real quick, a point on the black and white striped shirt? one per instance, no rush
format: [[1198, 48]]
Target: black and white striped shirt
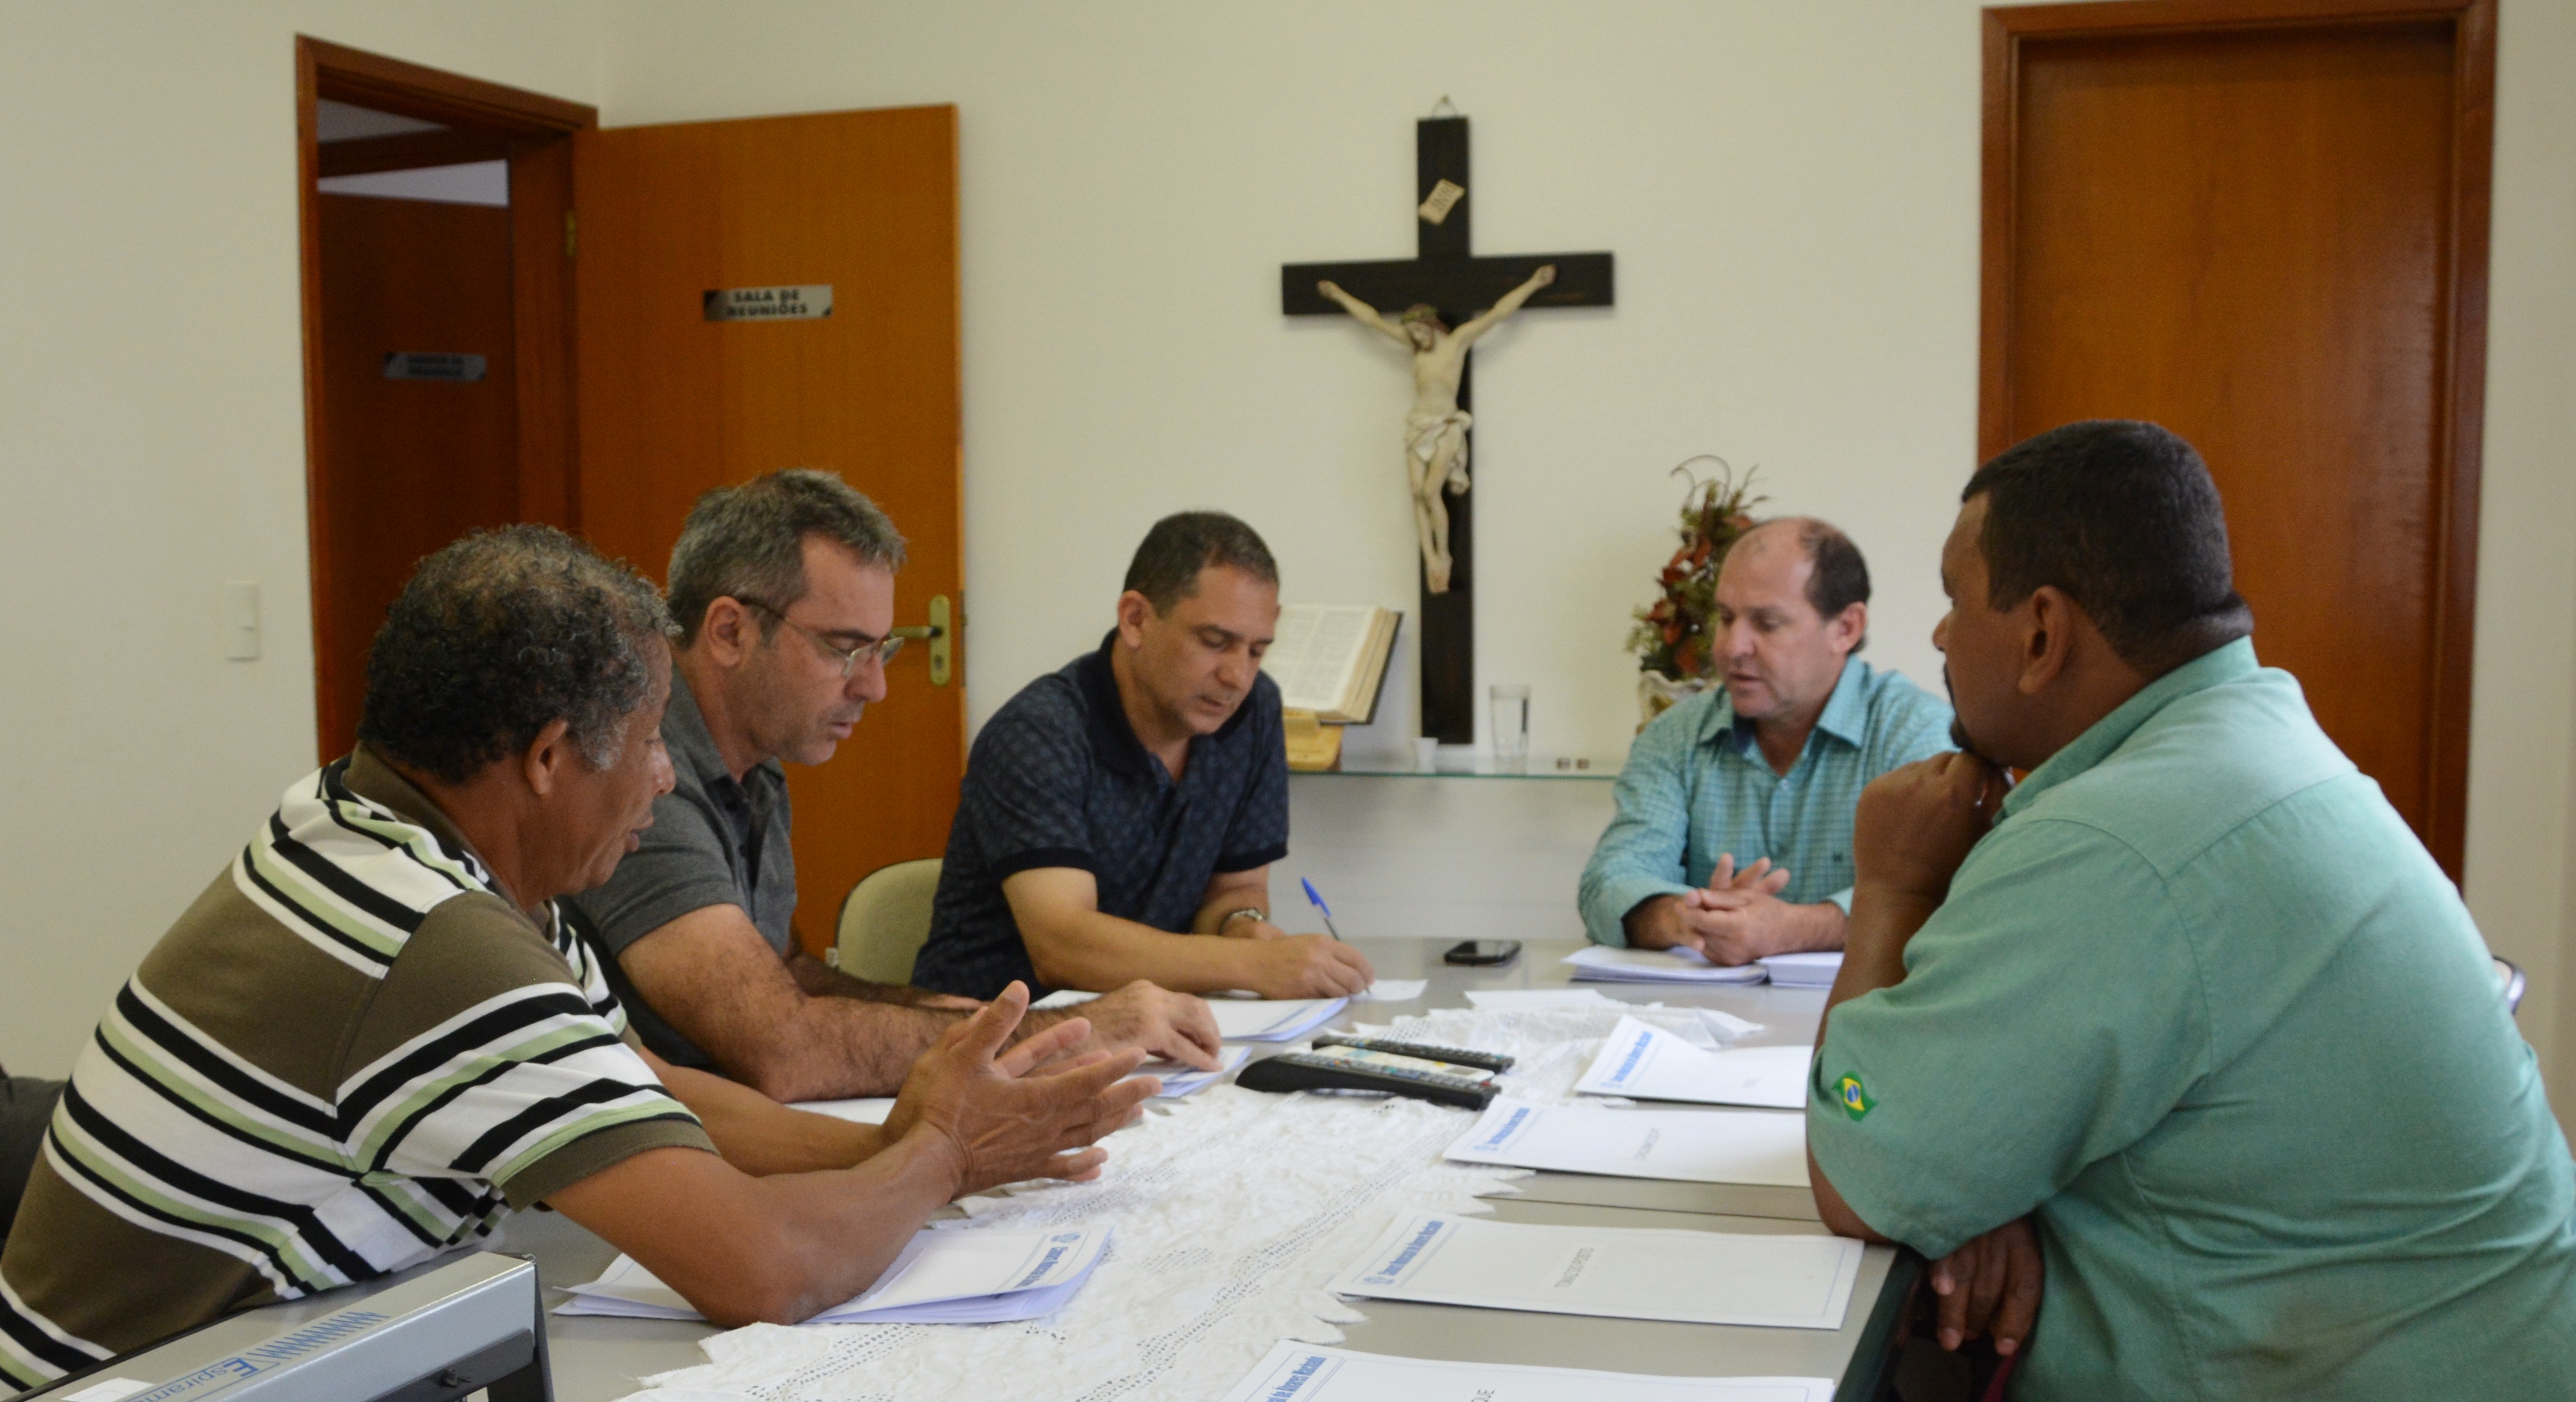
[[351, 1054]]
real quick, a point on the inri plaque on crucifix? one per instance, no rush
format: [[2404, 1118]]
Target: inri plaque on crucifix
[[1423, 298]]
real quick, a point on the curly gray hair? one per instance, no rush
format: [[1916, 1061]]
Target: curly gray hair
[[500, 635], [748, 542]]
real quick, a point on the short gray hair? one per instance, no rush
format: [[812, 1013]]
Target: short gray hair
[[748, 542], [500, 635]]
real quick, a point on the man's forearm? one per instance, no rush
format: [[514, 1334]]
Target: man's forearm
[[1089, 950], [1822, 926], [840, 1047], [1211, 917], [762, 1137], [769, 1250], [820, 980]]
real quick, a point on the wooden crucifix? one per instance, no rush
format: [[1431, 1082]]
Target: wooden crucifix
[[1444, 286]]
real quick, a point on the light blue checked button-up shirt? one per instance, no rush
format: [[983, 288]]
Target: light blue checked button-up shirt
[[1696, 785]]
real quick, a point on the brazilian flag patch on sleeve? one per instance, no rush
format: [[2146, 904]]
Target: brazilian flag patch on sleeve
[[1854, 1097]]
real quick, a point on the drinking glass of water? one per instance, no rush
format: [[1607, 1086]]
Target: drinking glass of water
[[1511, 725]]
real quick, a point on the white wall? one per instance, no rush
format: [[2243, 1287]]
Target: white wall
[[152, 447], [2521, 873], [1786, 196], [1790, 188]]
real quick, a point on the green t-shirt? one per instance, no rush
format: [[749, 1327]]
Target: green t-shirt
[[2204, 1004]]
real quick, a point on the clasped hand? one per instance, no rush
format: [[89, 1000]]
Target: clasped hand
[[1736, 918], [1002, 1120], [1990, 1285], [1915, 824]]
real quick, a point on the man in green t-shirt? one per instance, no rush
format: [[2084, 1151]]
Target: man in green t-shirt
[[2189, 1017], [371, 1038]]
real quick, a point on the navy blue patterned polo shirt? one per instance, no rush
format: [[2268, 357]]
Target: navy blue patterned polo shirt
[[1059, 779]]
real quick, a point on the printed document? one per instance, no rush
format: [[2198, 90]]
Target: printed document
[[1782, 1282], [1276, 1020], [1178, 1080], [1765, 1148], [1602, 964], [1648, 1063], [941, 1277], [1803, 970], [1296, 1372], [1242, 1019]]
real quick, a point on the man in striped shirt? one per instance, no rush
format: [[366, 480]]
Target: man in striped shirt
[[371, 1038]]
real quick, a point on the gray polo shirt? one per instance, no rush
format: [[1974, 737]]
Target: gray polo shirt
[[714, 841]]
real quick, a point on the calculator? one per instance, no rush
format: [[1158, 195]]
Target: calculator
[[1347, 1067]]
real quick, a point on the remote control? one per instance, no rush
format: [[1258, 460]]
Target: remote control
[[1354, 1068], [1458, 1056]]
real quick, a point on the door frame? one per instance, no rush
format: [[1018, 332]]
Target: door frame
[[2462, 341], [534, 131]]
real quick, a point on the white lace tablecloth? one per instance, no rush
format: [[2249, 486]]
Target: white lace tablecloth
[[1232, 1211]]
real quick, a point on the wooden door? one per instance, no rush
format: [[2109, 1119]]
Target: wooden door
[[407, 464], [671, 403], [2261, 223], [394, 470]]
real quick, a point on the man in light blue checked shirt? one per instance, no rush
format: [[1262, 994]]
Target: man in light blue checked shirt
[[1733, 835]]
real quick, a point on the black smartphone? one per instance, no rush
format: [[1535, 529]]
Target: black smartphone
[[1482, 953]]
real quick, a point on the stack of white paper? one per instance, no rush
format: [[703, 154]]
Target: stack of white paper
[[1762, 1147], [1178, 1080], [1306, 1373], [1783, 1282], [1803, 970], [1600, 963], [952, 1277], [869, 1110], [1649, 1063], [1394, 990], [1284, 1020]]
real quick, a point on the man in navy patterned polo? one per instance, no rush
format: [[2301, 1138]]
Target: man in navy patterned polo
[[1119, 817]]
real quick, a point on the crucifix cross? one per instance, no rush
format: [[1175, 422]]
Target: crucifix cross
[[1457, 285]]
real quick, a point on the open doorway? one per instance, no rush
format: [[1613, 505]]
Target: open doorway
[[436, 231]]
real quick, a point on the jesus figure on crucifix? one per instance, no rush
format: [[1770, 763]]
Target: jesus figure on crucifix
[[1435, 429]]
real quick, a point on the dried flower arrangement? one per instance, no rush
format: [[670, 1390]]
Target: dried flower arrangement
[[1671, 639]]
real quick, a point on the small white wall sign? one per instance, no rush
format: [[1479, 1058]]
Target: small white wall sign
[[810, 302], [450, 366]]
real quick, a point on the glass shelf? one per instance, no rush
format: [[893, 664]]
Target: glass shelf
[[1463, 767]]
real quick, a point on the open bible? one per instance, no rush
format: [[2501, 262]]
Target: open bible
[[1330, 659]]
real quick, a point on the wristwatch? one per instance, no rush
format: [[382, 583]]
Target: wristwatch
[[1231, 916]]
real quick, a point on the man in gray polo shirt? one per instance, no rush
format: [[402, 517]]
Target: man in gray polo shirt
[[783, 588]]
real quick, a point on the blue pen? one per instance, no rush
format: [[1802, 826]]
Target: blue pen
[[1317, 898]]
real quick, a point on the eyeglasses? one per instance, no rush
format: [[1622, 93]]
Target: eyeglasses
[[883, 649]]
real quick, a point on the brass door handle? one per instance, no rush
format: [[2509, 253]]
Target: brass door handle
[[936, 632]]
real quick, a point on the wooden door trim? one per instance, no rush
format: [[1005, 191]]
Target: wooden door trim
[[2462, 352], [537, 130]]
